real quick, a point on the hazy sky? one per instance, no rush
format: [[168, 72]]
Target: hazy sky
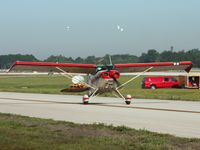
[[90, 27]]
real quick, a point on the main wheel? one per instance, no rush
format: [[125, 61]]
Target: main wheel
[[85, 99], [128, 99], [85, 102]]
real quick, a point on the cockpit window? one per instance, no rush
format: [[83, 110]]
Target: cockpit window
[[99, 68]]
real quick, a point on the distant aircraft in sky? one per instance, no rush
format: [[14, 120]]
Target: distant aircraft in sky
[[67, 28], [120, 28]]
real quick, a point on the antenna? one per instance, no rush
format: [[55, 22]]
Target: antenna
[[100, 60], [110, 59]]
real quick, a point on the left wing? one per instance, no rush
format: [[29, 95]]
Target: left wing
[[157, 66], [20, 66]]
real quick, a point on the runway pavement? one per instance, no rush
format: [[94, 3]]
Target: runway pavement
[[179, 118]]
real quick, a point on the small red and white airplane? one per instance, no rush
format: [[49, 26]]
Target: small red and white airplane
[[101, 78]]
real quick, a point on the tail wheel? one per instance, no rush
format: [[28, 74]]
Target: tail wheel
[[85, 99], [128, 99]]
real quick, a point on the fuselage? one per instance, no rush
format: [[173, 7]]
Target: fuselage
[[105, 81]]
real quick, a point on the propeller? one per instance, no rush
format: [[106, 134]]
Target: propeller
[[118, 83]]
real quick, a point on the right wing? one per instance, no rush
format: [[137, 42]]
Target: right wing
[[21, 66]]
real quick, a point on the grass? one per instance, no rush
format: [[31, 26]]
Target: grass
[[53, 85], [19, 132]]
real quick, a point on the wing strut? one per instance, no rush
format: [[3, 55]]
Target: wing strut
[[134, 78], [69, 76], [93, 94]]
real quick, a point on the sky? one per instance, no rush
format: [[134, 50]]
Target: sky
[[83, 28]]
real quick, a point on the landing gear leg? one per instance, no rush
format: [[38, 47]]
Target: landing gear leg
[[86, 97], [127, 99]]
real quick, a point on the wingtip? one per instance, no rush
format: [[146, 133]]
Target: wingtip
[[12, 66], [188, 69]]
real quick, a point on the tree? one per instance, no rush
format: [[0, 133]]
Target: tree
[[90, 59], [79, 60], [59, 58], [7, 60], [151, 56]]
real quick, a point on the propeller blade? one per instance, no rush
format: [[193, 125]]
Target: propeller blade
[[118, 83]]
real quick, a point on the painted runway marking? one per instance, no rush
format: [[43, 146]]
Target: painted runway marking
[[96, 104]]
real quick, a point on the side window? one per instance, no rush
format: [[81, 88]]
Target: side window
[[173, 79], [166, 79]]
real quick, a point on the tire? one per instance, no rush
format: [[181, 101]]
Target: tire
[[182, 86], [128, 102], [176, 86], [153, 87], [85, 99], [85, 102]]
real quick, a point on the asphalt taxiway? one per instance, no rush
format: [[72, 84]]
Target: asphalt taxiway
[[180, 118]]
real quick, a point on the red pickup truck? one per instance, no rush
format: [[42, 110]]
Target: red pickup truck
[[160, 82]]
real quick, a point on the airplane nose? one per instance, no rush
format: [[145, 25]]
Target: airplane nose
[[105, 75], [110, 74], [114, 74]]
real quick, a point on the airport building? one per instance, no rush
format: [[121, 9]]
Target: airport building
[[190, 80]]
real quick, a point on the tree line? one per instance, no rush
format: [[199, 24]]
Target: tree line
[[151, 55]]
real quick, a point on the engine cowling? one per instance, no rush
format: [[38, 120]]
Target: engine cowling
[[114, 74], [110, 74], [105, 75]]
